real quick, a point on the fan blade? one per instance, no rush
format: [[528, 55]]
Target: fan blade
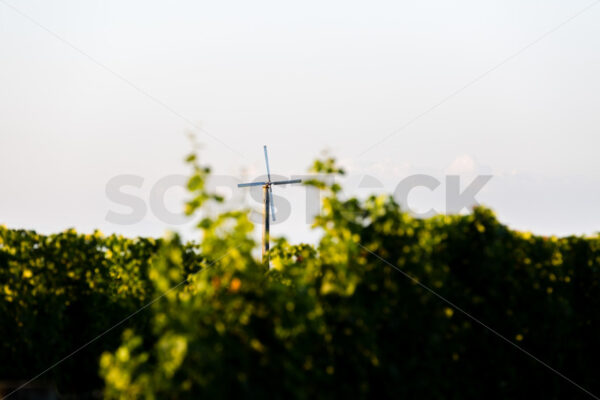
[[287, 182], [267, 162], [271, 202], [251, 184]]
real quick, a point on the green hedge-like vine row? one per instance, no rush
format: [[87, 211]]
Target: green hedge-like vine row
[[59, 291]]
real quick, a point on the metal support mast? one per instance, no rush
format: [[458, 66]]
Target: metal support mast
[[266, 222]]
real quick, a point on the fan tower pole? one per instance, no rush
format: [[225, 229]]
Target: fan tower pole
[[266, 222]]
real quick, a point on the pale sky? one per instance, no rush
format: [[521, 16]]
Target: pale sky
[[97, 89]]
